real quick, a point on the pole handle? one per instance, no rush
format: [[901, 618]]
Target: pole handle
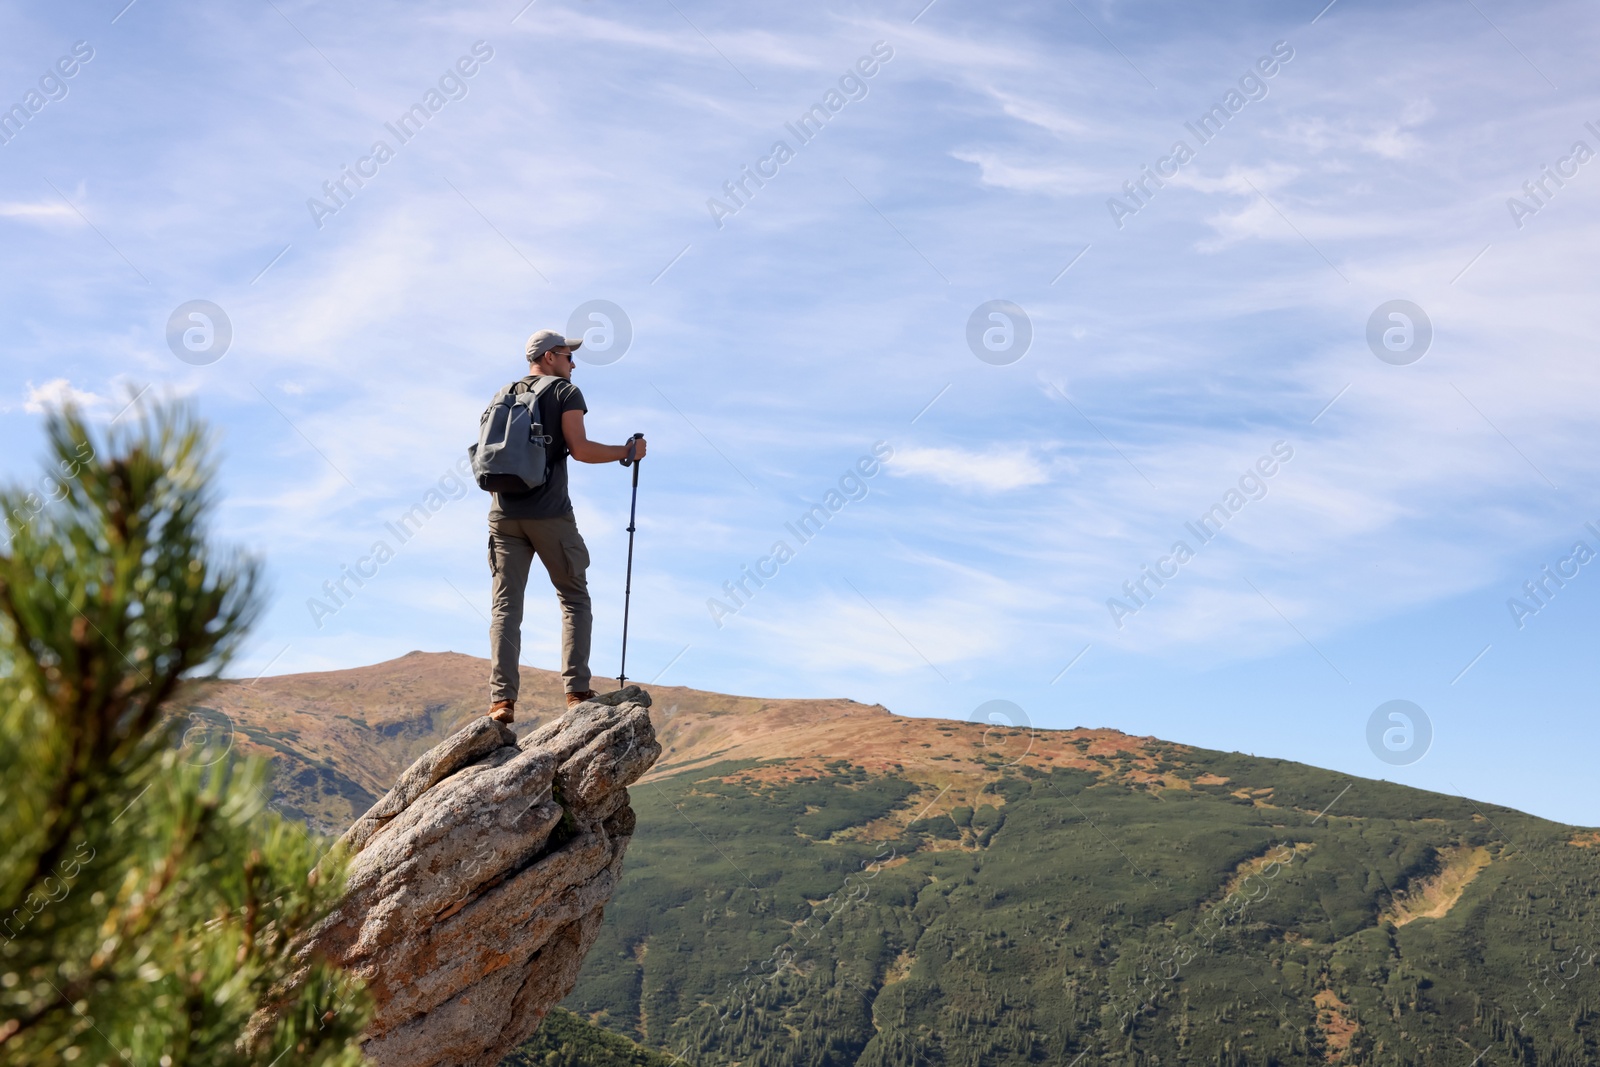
[[628, 460]]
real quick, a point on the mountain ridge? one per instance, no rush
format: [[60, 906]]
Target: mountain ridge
[[340, 737], [406, 705]]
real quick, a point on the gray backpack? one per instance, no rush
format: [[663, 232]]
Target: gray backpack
[[510, 456]]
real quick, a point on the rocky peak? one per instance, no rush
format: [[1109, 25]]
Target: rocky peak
[[479, 881]]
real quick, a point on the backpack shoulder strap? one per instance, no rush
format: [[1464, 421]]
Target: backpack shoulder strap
[[540, 386], [535, 387]]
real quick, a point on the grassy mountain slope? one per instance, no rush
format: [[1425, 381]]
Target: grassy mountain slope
[[821, 882], [1223, 920]]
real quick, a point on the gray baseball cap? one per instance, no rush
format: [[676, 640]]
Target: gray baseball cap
[[545, 340]]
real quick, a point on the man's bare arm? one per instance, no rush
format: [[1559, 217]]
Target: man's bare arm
[[586, 451]]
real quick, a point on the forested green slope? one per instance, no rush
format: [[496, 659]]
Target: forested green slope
[[568, 1040], [1214, 917]]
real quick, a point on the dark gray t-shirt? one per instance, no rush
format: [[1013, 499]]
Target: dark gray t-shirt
[[550, 499]]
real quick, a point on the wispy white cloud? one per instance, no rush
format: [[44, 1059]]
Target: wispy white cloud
[[50, 211], [58, 393], [992, 470], [1057, 179]]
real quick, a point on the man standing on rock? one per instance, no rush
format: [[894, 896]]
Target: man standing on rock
[[540, 523]]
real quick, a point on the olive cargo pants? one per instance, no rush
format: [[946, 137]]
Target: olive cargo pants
[[512, 545]]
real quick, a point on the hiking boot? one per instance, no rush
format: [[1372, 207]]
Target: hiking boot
[[579, 698], [503, 711]]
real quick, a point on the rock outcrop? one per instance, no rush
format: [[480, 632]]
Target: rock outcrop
[[479, 882]]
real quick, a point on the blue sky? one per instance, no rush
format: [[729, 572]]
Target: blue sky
[[1176, 340]]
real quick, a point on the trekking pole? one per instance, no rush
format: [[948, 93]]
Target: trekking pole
[[627, 588]]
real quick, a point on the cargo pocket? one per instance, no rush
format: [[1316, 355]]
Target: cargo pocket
[[492, 571], [577, 555]]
